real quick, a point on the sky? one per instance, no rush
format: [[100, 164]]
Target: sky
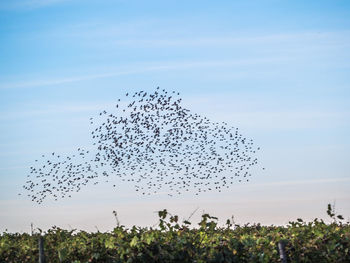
[[277, 70]]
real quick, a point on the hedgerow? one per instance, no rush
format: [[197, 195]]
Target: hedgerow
[[173, 241]]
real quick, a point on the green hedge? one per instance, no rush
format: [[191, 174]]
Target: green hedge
[[172, 241]]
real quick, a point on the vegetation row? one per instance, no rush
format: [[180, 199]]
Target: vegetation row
[[174, 241]]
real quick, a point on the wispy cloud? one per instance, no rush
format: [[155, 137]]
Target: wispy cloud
[[49, 110], [175, 65], [28, 4], [274, 120], [324, 38], [285, 119], [302, 182], [165, 33], [268, 114]]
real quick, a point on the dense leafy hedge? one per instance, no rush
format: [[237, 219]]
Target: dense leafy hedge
[[174, 242]]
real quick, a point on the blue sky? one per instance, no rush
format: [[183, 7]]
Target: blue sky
[[278, 70]]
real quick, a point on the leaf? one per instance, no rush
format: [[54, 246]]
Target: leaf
[[149, 239], [109, 243], [134, 241]]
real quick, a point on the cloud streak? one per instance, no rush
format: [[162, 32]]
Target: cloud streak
[[328, 38], [29, 4], [303, 182], [182, 65], [132, 34]]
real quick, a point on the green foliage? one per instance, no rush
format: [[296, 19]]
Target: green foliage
[[173, 241]]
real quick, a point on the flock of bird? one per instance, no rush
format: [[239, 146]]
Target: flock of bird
[[154, 143]]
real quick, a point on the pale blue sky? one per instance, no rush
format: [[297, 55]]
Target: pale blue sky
[[278, 70]]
